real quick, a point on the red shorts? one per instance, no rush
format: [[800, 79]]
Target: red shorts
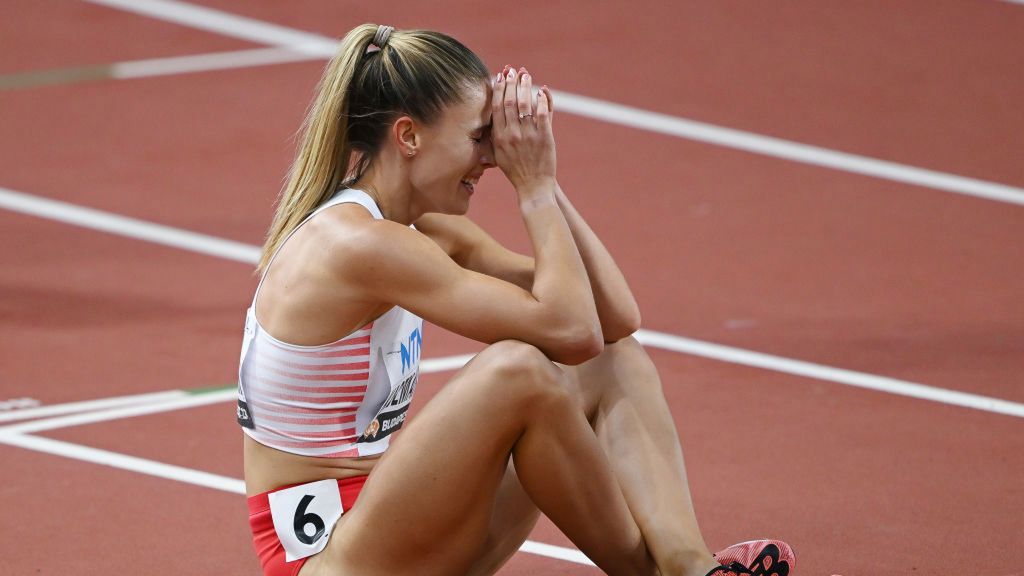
[[268, 546]]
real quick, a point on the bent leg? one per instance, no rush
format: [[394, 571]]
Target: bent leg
[[622, 397], [512, 520], [428, 503], [620, 393]]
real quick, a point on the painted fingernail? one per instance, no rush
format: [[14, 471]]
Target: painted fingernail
[[497, 79], [511, 74]]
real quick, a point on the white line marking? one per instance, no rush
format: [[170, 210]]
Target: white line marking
[[125, 226], [828, 373], [86, 405], [124, 462], [444, 364], [784, 149], [106, 409], [254, 30], [17, 405], [225, 24], [204, 479], [249, 254], [551, 551], [182, 401], [206, 62]]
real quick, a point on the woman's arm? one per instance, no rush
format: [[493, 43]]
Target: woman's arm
[[618, 310], [382, 261], [386, 262], [472, 247]]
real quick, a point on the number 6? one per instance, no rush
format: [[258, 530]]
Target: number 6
[[302, 519]]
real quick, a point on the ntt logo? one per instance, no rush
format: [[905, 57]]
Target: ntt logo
[[411, 349]]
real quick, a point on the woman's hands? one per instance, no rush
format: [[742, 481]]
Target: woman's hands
[[524, 145]]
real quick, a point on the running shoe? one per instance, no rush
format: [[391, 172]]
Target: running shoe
[[760, 557], [734, 569]]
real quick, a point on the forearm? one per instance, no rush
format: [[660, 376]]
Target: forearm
[[560, 281], [616, 307]]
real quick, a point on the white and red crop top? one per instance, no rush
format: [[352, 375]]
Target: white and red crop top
[[342, 399]]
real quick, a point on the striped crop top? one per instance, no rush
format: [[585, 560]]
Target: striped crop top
[[342, 399]]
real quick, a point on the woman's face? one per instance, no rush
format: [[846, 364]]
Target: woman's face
[[453, 154]]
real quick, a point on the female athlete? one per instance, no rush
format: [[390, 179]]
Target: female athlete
[[562, 413]]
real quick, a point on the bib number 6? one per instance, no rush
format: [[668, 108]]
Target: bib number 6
[[304, 516], [303, 519]]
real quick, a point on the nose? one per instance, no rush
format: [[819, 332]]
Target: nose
[[487, 154]]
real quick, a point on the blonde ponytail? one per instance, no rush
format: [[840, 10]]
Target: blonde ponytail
[[323, 157], [415, 72]]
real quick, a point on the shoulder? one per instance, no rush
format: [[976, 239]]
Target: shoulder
[[456, 235], [354, 241]]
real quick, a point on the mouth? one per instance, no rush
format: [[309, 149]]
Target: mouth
[[469, 185]]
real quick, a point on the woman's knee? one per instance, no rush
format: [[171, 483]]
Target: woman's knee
[[623, 367], [521, 370], [628, 347]]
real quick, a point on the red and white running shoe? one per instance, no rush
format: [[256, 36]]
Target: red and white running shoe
[[760, 557]]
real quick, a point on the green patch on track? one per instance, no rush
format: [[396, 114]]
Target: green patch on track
[[208, 389]]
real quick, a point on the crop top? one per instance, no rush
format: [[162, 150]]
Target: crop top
[[342, 399]]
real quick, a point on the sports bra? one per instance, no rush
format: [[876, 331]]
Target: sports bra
[[342, 399]]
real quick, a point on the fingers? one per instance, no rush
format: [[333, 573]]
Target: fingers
[[512, 100], [543, 112], [510, 105], [497, 101], [524, 94]]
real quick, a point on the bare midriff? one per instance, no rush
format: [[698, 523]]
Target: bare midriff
[[267, 468]]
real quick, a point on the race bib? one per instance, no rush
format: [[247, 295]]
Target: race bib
[[304, 517]]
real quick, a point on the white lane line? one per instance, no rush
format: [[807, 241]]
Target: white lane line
[[204, 479], [225, 24], [784, 149], [125, 226], [124, 462], [250, 254], [182, 401], [206, 62], [18, 404], [114, 408], [444, 364], [87, 405], [551, 551], [154, 67], [828, 373], [257, 31]]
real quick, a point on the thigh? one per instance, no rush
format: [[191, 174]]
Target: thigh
[[428, 504], [512, 520], [623, 367]]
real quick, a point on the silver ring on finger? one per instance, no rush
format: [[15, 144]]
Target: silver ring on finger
[[521, 115]]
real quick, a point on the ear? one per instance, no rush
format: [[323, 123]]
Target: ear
[[407, 136]]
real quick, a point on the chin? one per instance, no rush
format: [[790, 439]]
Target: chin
[[461, 208]]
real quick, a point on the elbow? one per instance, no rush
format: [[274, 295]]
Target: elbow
[[626, 324], [577, 346]]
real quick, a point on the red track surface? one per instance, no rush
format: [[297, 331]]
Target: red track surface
[[720, 245]]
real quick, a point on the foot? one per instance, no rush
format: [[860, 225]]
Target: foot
[[759, 557], [734, 569]]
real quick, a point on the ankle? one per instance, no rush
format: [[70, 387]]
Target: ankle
[[688, 564]]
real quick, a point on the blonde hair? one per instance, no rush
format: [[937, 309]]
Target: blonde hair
[[416, 72]]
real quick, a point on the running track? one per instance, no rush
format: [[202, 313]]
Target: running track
[[892, 249]]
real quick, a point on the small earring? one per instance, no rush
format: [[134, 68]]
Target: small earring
[[411, 152]]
